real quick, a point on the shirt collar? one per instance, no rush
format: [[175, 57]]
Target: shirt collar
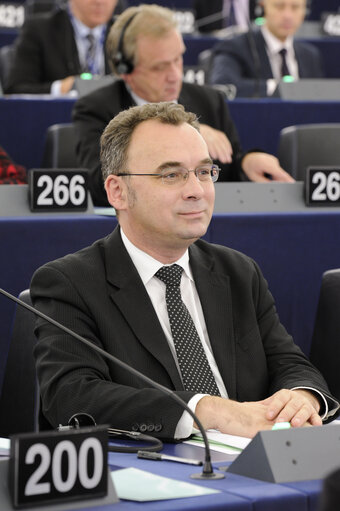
[[83, 30], [273, 44], [146, 265], [138, 100]]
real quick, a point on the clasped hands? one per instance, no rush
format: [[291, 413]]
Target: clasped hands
[[299, 407]]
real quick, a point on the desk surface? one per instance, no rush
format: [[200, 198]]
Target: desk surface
[[237, 492]]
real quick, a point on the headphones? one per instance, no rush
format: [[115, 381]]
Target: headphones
[[123, 65]]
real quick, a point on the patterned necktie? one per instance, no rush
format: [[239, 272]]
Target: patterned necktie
[[90, 53], [284, 67], [194, 366]]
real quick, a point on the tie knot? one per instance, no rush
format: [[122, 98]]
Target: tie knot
[[170, 275], [283, 52], [90, 37]]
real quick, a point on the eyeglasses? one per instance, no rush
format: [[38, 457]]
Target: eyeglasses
[[179, 175]]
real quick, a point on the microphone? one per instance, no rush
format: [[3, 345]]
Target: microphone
[[207, 471], [217, 16]]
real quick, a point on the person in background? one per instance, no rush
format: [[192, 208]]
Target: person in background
[[146, 52], [11, 173], [256, 61], [219, 14], [53, 48], [196, 317]]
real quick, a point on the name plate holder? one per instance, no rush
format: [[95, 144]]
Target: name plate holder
[[322, 186], [59, 470], [289, 455]]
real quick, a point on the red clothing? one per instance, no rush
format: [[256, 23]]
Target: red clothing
[[11, 173]]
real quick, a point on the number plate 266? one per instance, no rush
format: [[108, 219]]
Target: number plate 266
[[323, 186], [58, 189]]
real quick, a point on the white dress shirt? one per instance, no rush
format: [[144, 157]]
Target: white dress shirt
[[147, 266], [273, 47]]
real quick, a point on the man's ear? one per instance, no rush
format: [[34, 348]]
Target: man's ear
[[116, 192]]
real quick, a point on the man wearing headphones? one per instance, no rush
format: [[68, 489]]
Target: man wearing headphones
[[146, 51], [53, 48]]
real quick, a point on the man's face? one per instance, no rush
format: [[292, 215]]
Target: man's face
[[93, 12], [159, 67], [164, 218], [284, 17]]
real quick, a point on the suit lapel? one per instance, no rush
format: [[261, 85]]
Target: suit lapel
[[64, 38], [130, 296], [215, 295], [263, 57], [301, 62]]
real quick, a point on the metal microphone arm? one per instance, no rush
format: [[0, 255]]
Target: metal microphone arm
[[207, 471]]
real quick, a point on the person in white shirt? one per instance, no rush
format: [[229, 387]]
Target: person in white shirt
[[256, 61]]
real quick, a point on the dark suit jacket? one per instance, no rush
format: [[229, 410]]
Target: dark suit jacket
[[204, 8], [243, 61], [93, 112], [46, 51], [98, 293]]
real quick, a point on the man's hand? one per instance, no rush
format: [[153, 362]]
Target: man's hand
[[295, 406], [218, 144], [66, 84], [263, 167], [227, 416], [299, 407]]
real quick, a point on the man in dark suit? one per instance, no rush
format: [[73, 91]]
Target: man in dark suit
[[247, 373], [146, 50], [256, 61], [53, 48], [210, 14]]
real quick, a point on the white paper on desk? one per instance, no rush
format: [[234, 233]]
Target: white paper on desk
[[222, 442], [105, 211], [5, 444], [135, 484]]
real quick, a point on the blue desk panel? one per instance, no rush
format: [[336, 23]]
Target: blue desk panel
[[24, 122], [27, 243], [237, 492], [292, 249]]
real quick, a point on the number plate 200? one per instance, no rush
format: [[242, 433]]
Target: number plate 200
[[58, 466]]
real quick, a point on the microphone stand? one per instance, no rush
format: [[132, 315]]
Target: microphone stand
[[207, 471]]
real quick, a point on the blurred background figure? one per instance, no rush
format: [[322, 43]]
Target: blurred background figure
[[214, 15], [55, 47], [146, 51], [256, 61], [10, 172]]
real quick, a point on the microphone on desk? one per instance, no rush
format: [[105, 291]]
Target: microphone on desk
[[207, 471]]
